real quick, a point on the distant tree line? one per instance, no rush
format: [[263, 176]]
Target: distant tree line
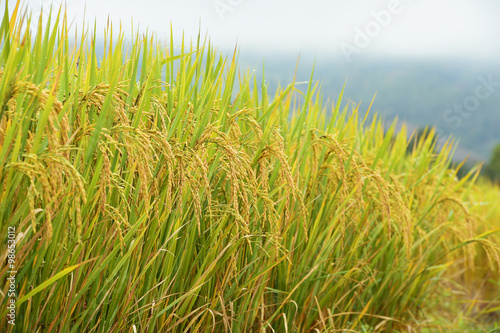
[[491, 170]]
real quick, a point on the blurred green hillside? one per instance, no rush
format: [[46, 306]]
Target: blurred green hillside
[[420, 92]]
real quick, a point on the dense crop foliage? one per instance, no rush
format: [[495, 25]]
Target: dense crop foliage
[[157, 189]]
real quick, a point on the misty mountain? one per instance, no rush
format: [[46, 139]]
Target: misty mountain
[[461, 98]]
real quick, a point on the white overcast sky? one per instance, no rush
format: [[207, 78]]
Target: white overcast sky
[[422, 28]]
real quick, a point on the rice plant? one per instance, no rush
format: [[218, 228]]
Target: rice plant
[[157, 188]]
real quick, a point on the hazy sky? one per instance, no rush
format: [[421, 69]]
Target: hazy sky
[[464, 28]]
